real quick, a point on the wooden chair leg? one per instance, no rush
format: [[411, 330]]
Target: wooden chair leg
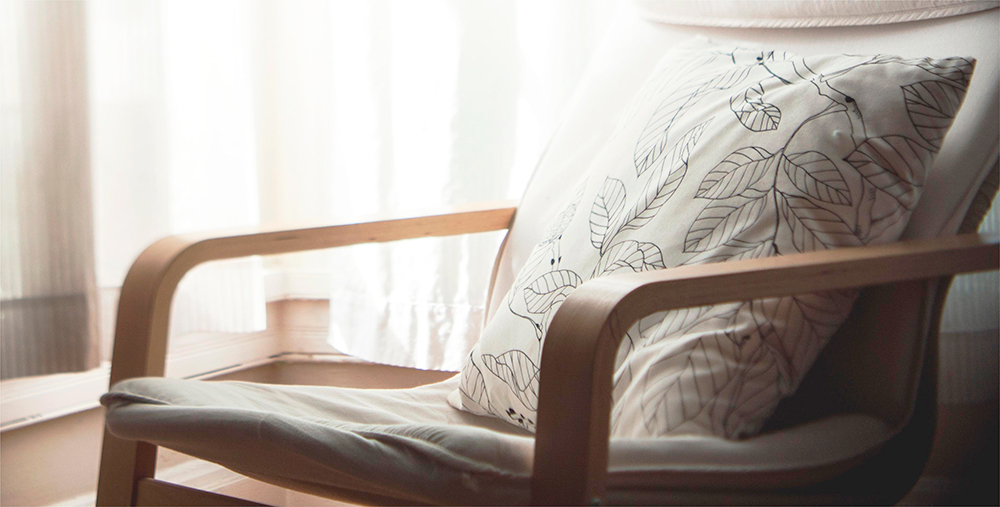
[[123, 464]]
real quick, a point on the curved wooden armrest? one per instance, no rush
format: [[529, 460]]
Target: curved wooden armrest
[[571, 438], [140, 347], [144, 307]]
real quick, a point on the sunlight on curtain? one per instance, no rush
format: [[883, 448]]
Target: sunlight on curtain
[[396, 107], [47, 289], [223, 113], [173, 145], [460, 98]]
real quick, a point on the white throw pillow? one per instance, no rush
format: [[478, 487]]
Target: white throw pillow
[[726, 153]]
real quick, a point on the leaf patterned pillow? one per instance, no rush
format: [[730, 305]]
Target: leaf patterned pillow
[[726, 153]]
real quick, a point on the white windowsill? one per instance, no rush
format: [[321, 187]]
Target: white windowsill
[[303, 330], [32, 400]]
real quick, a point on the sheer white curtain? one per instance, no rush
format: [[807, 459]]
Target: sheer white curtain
[[172, 147], [47, 289], [195, 115], [392, 106]]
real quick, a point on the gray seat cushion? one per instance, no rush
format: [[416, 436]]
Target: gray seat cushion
[[411, 444]]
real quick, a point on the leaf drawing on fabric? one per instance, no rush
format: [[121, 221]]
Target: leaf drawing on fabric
[[756, 392], [649, 330], [755, 114], [811, 227], [676, 323], [662, 79], [748, 172], [543, 296], [932, 106], [559, 224], [737, 252], [957, 70], [608, 206], [519, 372], [550, 289], [818, 177], [797, 327], [662, 184], [653, 139], [633, 255], [678, 387], [545, 256], [623, 370], [893, 164], [472, 387], [721, 221]]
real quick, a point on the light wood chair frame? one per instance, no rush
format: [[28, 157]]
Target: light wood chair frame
[[571, 452]]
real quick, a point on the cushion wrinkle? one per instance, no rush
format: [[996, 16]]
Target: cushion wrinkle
[[427, 459]]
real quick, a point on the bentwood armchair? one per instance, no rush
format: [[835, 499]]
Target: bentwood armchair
[[858, 430]]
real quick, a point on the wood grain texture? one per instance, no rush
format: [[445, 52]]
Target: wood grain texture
[[571, 445], [140, 345]]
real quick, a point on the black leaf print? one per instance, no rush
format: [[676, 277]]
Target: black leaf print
[[632, 255], [678, 322], [472, 386], [663, 79], [633, 339], [721, 221], [957, 70], [546, 254], [756, 392], [824, 310], [653, 139], [737, 252], [932, 106], [883, 222], [621, 381], [679, 386], [894, 165], [728, 79], [542, 297], [813, 228], [665, 180], [608, 206], [558, 225], [550, 289], [623, 370], [797, 327], [748, 172], [818, 177], [544, 257], [519, 372], [755, 114]]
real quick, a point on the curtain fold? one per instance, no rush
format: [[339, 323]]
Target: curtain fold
[[392, 107], [973, 303], [48, 293], [173, 144]]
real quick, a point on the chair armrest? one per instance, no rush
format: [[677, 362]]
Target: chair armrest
[[144, 306], [571, 438]]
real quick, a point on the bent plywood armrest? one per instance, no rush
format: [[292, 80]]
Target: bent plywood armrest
[[140, 346], [571, 445]]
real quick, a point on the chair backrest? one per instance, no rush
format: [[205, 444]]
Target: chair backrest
[[634, 44]]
